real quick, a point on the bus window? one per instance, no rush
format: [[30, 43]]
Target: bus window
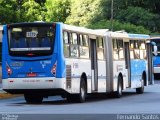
[[85, 40], [142, 50], [115, 49], [74, 45], [24, 40], [136, 50], [66, 44], [65, 37], [100, 48], [74, 39], [120, 49], [84, 50], [132, 49]]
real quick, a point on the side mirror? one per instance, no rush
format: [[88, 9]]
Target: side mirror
[[155, 50]]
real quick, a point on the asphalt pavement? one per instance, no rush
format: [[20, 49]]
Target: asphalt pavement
[[1, 91]]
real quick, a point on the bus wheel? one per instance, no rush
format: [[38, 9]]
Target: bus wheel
[[33, 99], [118, 93], [141, 89], [81, 97], [83, 91]]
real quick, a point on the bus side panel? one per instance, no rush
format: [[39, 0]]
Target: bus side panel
[[61, 68], [137, 69], [4, 52], [79, 66], [101, 76], [119, 68]]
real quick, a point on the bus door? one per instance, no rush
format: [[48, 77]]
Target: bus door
[[127, 62], [94, 68], [150, 63]]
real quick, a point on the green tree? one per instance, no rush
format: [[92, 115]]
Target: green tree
[[128, 27], [139, 16], [84, 11], [32, 11], [8, 11], [57, 10]]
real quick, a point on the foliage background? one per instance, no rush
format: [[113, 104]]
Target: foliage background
[[136, 16]]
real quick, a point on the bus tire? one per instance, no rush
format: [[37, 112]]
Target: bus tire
[[83, 91], [33, 99], [81, 97], [141, 89], [118, 93]]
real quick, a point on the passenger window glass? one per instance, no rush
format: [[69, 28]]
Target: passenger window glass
[[74, 39], [118, 51], [66, 44], [74, 50], [65, 37], [100, 48], [85, 40], [66, 50], [142, 50], [84, 52], [134, 49], [115, 50]]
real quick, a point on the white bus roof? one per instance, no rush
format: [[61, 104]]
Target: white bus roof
[[99, 32], [155, 37], [119, 34], [138, 36]]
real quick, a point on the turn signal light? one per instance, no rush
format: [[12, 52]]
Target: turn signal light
[[53, 70], [9, 71]]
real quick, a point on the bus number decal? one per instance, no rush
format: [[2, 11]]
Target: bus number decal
[[44, 63], [119, 68], [75, 65], [17, 64], [31, 34]]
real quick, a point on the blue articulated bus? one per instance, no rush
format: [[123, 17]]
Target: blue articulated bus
[[45, 59]]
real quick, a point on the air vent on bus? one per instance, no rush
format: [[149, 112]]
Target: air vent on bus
[[68, 76]]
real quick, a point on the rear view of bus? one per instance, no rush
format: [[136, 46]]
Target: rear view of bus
[[30, 60]]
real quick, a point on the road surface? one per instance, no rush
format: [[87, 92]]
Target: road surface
[[130, 102]]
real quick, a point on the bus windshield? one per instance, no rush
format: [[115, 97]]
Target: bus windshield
[[25, 40], [157, 41]]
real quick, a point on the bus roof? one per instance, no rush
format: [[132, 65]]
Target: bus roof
[[118, 34], [155, 37], [138, 36], [99, 32]]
